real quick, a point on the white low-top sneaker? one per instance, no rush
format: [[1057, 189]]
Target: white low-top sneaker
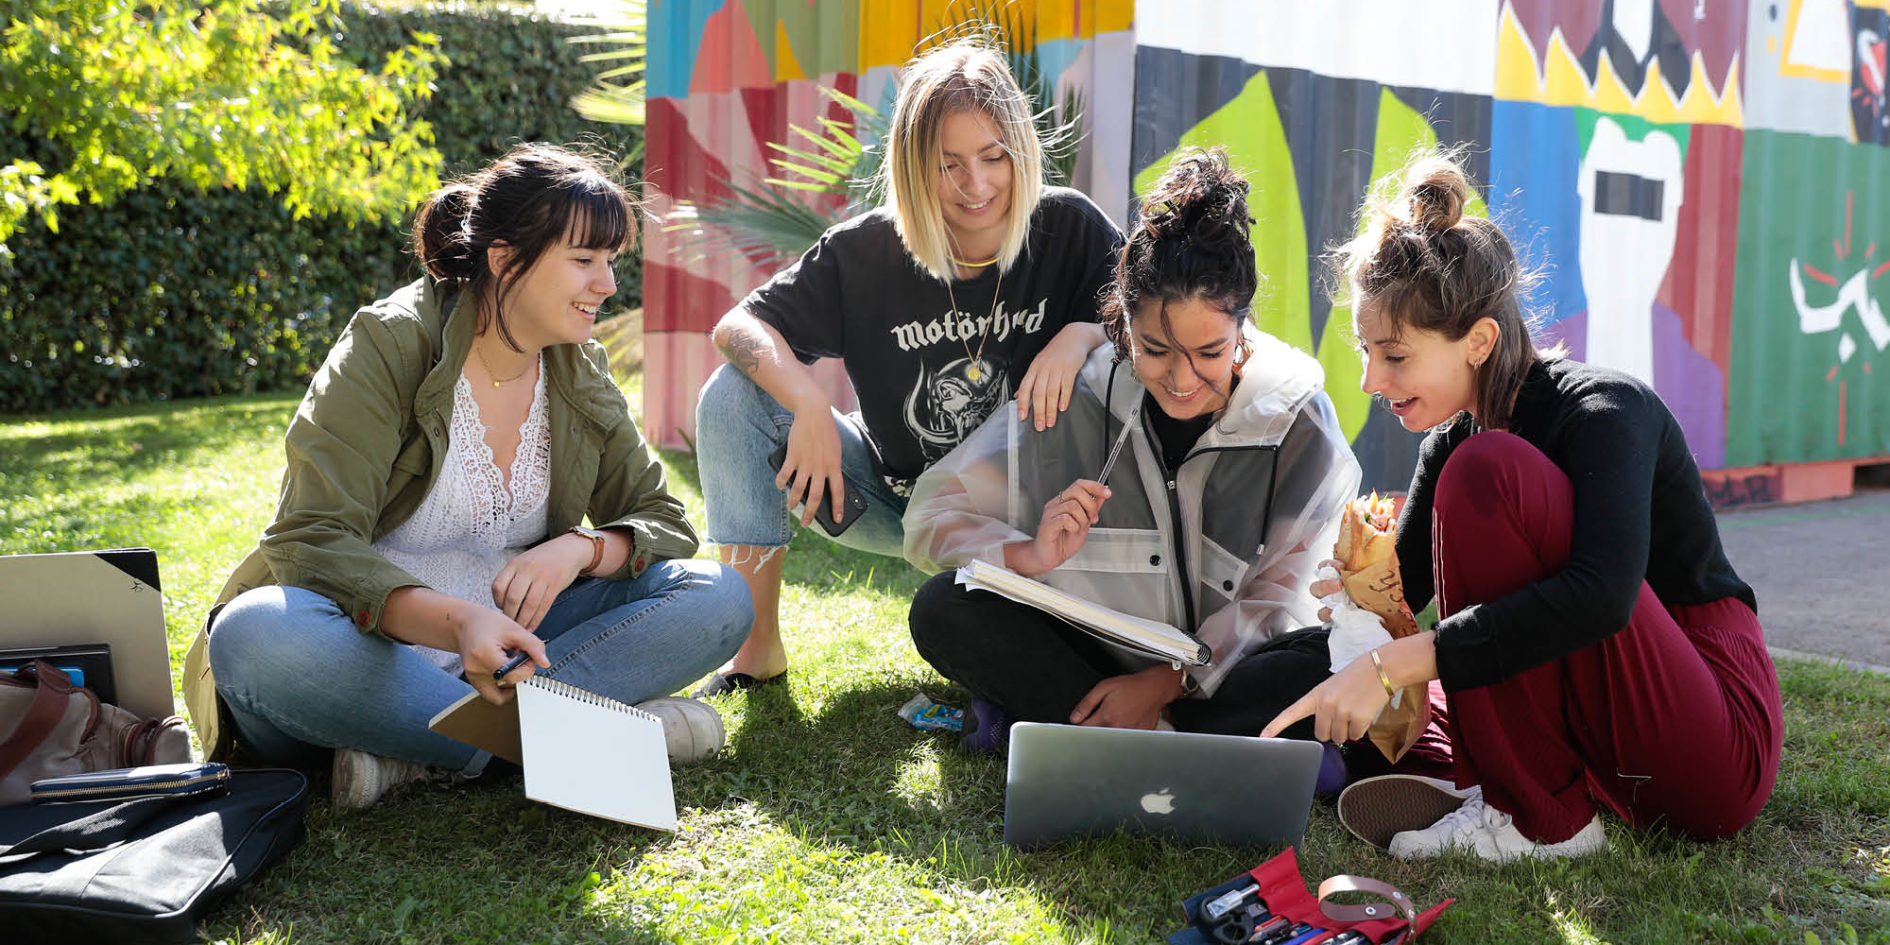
[[1377, 809], [692, 729], [361, 778], [1492, 835]]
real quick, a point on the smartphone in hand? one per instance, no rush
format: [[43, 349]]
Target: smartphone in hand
[[854, 504]]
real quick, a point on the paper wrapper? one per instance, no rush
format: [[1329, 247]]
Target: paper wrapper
[[1368, 570]]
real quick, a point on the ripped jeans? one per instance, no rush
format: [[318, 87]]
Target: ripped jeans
[[738, 425]]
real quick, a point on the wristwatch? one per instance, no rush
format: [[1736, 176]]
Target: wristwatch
[[597, 548]]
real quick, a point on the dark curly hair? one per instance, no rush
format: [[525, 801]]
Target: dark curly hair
[[529, 199], [1190, 241]]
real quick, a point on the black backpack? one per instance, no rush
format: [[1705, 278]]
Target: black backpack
[[144, 870]]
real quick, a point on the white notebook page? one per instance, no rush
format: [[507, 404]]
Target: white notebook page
[[594, 755]]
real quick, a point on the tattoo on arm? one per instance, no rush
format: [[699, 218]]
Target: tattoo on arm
[[744, 349]]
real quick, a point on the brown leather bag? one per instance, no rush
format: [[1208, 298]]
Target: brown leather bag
[[53, 728]]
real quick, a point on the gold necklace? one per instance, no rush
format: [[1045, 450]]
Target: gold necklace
[[974, 373], [496, 380], [980, 264]]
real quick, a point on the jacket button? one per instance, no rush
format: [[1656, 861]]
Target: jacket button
[[639, 565], [361, 618], [1227, 585], [1154, 561]]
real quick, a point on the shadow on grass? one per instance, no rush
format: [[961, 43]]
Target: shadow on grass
[[857, 775], [477, 863]]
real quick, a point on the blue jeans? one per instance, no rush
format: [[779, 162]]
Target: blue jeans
[[298, 676], [738, 426]]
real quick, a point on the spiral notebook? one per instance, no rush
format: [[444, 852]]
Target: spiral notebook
[[580, 751], [1135, 634]]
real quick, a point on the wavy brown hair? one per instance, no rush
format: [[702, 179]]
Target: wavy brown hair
[[534, 196], [1420, 262]]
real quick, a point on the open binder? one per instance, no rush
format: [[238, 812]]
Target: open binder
[[1139, 635]]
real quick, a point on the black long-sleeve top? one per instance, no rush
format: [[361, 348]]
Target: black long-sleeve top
[[1640, 513]]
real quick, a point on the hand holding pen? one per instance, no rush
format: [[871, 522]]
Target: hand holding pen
[[518, 659]]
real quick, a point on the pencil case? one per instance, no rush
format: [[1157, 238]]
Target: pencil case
[[1270, 905], [120, 784]]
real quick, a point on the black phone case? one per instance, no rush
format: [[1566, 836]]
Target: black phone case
[[823, 513]]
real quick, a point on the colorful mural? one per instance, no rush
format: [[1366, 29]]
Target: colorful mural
[[1703, 186], [1679, 172]]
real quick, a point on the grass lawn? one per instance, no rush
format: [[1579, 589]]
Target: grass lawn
[[827, 819]]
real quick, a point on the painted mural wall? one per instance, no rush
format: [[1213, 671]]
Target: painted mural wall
[[1703, 184]]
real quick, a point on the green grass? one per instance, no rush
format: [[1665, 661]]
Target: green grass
[[829, 820]]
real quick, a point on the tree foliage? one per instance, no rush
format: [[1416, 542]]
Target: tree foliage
[[174, 291], [115, 94]]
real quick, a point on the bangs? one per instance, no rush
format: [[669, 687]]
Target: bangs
[[598, 215]]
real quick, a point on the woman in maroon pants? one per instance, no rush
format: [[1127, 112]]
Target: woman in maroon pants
[[1597, 648]]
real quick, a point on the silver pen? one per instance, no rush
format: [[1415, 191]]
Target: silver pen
[[1121, 438]]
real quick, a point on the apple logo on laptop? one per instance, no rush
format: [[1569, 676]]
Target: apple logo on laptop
[[1160, 802]]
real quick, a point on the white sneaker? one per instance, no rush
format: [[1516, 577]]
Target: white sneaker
[[1377, 809], [692, 729], [1492, 835], [360, 778]]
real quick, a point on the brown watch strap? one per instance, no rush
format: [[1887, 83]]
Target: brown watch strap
[[597, 550], [1398, 904]]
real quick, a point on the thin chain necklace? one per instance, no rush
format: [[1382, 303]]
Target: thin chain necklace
[[498, 381], [975, 372]]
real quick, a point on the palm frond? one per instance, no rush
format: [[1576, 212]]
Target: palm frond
[[617, 94]]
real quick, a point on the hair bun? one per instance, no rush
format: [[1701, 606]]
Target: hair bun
[[1435, 192], [440, 231], [1201, 198]]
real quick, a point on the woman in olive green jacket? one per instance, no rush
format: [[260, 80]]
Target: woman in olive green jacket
[[429, 526]]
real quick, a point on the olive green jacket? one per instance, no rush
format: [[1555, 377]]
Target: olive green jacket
[[365, 447]]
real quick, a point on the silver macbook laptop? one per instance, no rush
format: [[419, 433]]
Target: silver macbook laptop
[[94, 599], [1075, 781]]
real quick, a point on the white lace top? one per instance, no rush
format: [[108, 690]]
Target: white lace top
[[469, 526]]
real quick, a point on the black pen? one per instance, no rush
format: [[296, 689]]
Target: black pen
[[511, 664]]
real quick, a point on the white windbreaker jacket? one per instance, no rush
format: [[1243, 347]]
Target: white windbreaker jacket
[[1226, 549]]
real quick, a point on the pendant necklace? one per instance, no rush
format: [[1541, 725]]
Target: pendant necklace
[[496, 379], [975, 373]]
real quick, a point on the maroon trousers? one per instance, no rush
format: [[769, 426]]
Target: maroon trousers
[[1674, 719]]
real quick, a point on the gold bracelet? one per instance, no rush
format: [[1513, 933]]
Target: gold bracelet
[[1383, 677]]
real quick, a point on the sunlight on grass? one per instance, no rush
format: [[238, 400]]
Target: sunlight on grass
[[779, 886], [829, 819]]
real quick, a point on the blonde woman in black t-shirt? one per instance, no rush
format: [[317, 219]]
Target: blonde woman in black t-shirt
[[974, 283], [1598, 650]]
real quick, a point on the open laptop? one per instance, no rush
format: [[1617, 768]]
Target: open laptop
[[88, 600], [1069, 781]]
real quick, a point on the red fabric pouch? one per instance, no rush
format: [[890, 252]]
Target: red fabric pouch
[[1282, 893]]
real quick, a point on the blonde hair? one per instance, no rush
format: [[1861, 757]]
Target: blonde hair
[[965, 75], [1420, 262]]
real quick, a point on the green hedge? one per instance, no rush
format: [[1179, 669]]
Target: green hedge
[[170, 293]]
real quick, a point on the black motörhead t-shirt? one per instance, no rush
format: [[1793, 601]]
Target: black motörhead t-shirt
[[926, 376]]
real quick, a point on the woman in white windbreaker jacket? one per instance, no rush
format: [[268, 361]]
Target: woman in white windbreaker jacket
[[1213, 519]]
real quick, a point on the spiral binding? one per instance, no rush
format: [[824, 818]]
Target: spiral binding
[[560, 688]]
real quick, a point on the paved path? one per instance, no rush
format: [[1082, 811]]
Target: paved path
[[1821, 571]]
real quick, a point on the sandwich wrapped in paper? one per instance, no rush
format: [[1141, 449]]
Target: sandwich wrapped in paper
[[1372, 612]]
